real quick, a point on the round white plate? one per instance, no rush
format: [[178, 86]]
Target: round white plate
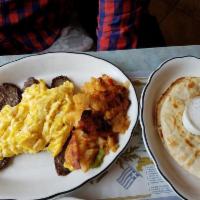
[[34, 176], [185, 184]]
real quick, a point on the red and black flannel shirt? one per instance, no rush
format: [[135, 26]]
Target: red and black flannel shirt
[[118, 24], [33, 25], [28, 25]]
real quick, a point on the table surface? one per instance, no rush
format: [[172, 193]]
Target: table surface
[[134, 60]]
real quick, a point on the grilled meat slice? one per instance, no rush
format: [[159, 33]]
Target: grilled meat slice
[[57, 81], [30, 81]]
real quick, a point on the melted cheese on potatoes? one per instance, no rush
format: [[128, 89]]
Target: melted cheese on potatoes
[[42, 120]]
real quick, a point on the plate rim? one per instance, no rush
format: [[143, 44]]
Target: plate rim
[[132, 131], [144, 134]]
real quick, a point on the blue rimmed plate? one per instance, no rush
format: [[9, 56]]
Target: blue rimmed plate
[[185, 184], [34, 176]]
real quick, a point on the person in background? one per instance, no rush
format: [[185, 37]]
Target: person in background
[[28, 26], [118, 24]]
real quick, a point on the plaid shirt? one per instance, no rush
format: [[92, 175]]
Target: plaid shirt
[[28, 25], [33, 25], [118, 23]]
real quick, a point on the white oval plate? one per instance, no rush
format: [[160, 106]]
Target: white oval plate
[[185, 184], [34, 176]]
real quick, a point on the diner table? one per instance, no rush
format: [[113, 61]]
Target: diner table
[[133, 175]]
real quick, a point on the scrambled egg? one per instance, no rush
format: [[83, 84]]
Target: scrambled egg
[[41, 121]]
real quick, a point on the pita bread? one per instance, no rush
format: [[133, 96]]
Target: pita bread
[[182, 145]]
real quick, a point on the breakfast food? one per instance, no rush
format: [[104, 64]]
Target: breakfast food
[[78, 129], [111, 99], [90, 142], [59, 161], [30, 81], [41, 120], [10, 94], [59, 80], [182, 144], [104, 105], [4, 163]]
